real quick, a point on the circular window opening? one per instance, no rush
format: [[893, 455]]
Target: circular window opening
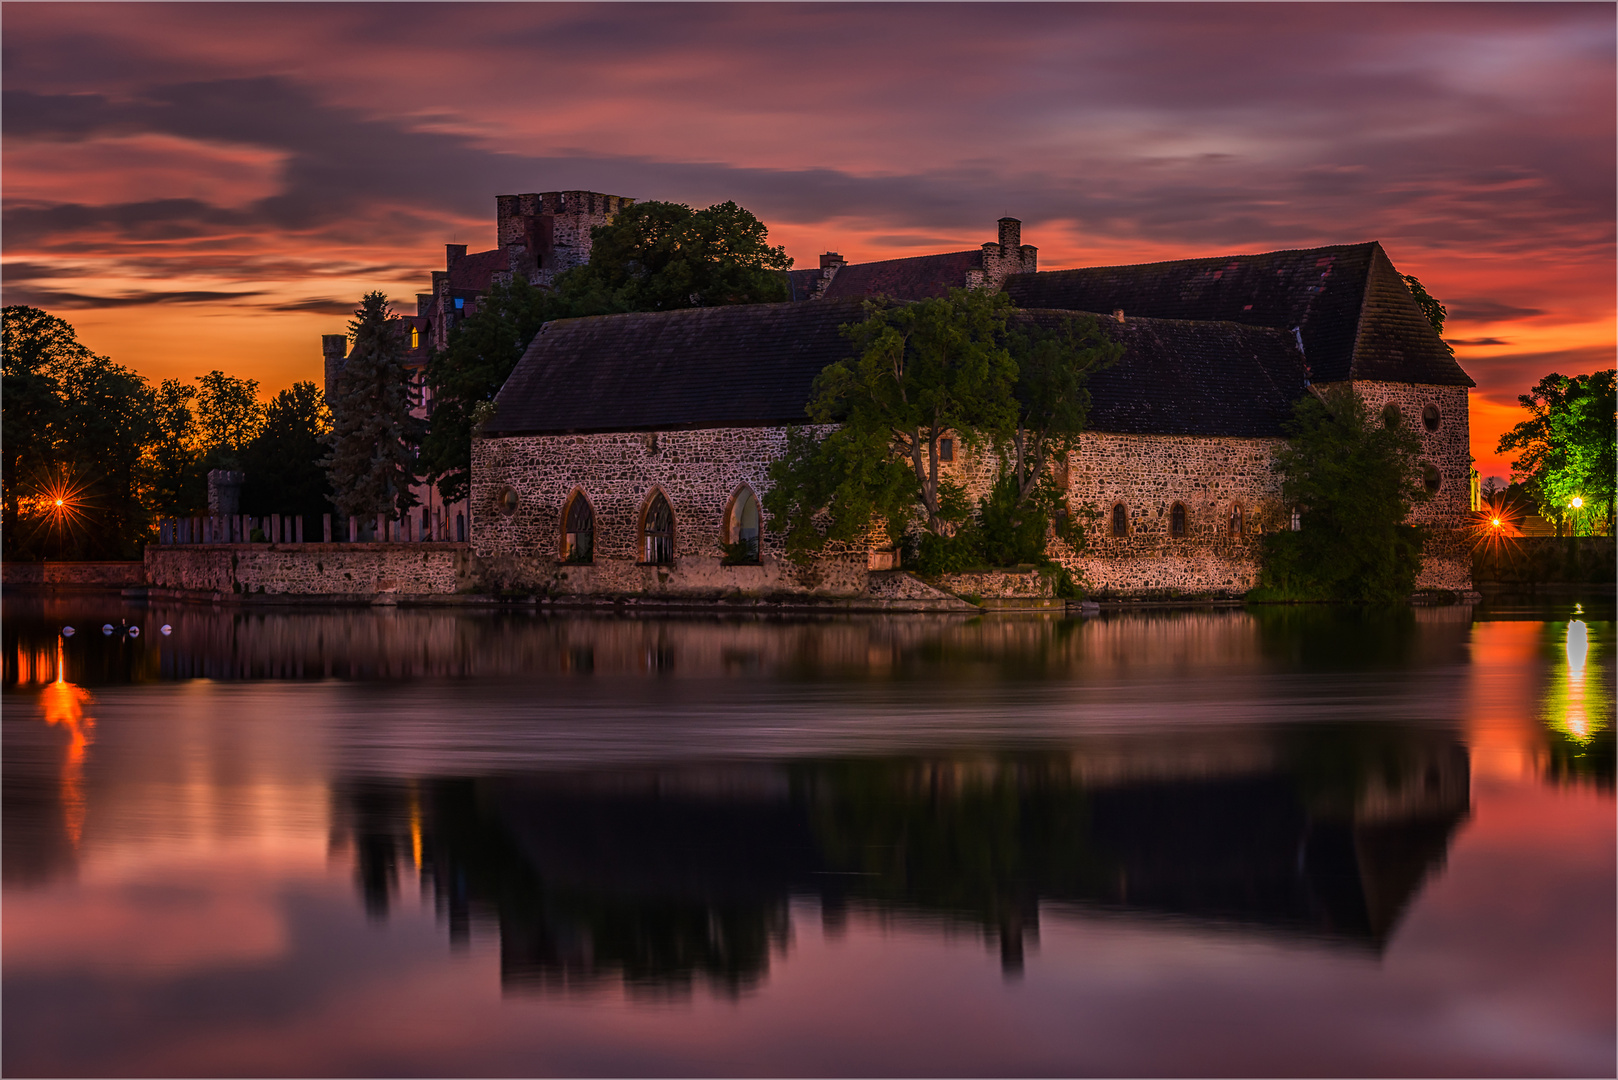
[[505, 501], [1429, 417], [1391, 416], [1431, 479]]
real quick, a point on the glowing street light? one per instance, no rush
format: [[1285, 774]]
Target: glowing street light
[[1578, 503]]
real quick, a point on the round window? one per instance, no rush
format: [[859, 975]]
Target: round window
[[505, 501], [1431, 479], [1429, 417], [1391, 415]]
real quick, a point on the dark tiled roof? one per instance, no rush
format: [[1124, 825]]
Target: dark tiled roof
[[905, 279], [738, 366], [1356, 317], [1192, 378], [474, 272], [801, 283], [756, 364]]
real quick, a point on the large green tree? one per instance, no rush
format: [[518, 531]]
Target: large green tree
[[282, 461], [921, 372], [1566, 447], [654, 256], [371, 458], [1353, 480]]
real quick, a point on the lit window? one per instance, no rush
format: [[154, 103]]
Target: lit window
[[415, 337], [659, 531]]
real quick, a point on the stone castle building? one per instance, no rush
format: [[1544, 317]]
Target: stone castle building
[[629, 453]]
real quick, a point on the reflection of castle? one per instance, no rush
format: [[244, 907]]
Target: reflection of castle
[[662, 877]]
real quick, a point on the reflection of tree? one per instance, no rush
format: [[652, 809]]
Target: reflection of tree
[[662, 879]]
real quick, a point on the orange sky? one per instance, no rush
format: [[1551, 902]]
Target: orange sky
[[201, 186]]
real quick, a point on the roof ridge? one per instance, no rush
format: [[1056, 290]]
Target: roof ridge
[[1208, 258]]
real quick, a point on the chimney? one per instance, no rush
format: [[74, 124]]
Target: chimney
[[1118, 313], [1010, 235], [830, 259], [453, 253]]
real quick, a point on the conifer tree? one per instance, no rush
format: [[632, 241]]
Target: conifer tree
[[371, 461]]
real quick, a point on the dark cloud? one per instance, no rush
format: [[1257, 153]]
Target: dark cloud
[[320, 305], [1479, 310], [54, 298], [1477, 341]]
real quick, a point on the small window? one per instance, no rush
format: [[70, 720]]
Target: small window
[[1238, 521], [1431, 479], [1297, 520], [1177, 520], [1430, 417], [659, 531], [1391, 416], [946, 449], [426, 525], [1120, 520], [460, 303], [742, 529], [460, 528], [415, 337], [506, 501], [578, 530]]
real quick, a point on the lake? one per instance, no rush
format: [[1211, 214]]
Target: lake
[[1261, 842]]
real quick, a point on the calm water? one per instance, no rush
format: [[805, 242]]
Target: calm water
[[1287, 842]]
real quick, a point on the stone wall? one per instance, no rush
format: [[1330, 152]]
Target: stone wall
[[1227, 486], [91, 575], [332, 570]]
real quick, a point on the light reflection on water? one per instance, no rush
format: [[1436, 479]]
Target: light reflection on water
[[612, 814]]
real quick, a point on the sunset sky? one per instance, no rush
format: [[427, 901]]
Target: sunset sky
[[213, 186]]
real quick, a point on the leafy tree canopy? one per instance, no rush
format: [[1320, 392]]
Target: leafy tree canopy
[[228, 414], [1353, 480], [654, 256], [1566, 447], [282, 460]]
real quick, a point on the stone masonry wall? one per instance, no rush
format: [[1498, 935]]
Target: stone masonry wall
[[310, 569], [699, 472]]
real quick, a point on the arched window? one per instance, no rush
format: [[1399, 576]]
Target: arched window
[[1391, 416], [578, 530], [659, 531], [1177, 520], [1431, 478], [1238, 520], [741, 531], [1120, 520], [1430, 417], [415, 337]]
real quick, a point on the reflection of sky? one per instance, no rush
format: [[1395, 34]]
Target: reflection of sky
[[207, 886]]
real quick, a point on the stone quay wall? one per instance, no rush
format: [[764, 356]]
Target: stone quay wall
[[83, 575], [330, 570]]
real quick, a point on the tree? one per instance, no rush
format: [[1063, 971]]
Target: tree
[[178, 480], [654, 256], [228, 416], [37, 349], [371, 458], [1566, 447], [1436, 313], [483, 349], [1353, 480], [283, 460]]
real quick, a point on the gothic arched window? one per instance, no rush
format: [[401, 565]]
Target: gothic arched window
[[742, 529], [1120, 520], [578, 530], [659, 531], [1238, 520], [1177, 520]]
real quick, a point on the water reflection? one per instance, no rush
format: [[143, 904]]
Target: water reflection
[[62, 704], [1577, 709], [665, 877]]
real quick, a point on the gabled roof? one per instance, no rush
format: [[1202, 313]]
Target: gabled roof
[[755, 365], [743, 365], [1354, 312], [915, 278]]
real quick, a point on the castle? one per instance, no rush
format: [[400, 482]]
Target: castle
[[628, 453]]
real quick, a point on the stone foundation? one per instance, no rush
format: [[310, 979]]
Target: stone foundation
[[72, 575], [353, 571]]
